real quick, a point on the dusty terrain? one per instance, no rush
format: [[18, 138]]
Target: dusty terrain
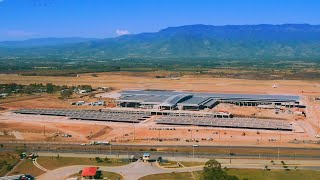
[[44, 128], [126, 80]]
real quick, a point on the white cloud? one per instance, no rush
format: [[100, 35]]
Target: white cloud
[[20, 33], [121, 32]]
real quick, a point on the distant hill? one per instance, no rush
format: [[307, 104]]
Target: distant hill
[[287, 41], [40, 42]]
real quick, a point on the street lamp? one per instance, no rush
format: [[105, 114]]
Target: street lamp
[[134, 132], [230, 149], [193, 146], [110, 151]]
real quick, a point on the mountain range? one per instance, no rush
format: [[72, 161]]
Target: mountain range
[[265, 41]]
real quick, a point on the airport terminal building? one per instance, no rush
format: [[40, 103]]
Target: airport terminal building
[[179, 100]]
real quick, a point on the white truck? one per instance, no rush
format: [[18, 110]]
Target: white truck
[[99, 143]]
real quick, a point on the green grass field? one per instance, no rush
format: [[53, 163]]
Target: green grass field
[[7, 162], [53, 162], [190, 164], [166, 176], [253, 174], [27, 167], [250, 174]]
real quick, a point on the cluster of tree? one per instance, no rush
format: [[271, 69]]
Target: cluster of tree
[[19, 88], [213, 171], [64, 90]]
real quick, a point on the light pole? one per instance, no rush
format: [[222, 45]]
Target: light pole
[[230, 149], [192, 151], [193, 146], [134, 132], [110, 151], [123, 134]]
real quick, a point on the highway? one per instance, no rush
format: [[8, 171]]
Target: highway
[[168, 150]]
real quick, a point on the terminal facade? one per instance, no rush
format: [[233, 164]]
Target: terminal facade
[[178, 100]]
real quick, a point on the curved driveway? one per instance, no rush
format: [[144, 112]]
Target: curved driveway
[[132, 171]]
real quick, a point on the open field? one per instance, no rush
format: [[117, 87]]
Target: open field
[[250, 174], [146, 80], [26, 167], [51, 163], [167, 176]]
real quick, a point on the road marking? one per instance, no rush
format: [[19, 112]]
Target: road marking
[[38, 166]]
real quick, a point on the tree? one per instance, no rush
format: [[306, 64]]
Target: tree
[[66, 93], [212, 171], [50, 88]]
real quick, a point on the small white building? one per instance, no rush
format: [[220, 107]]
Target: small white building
[[3, 95], [98, 103], [83, 91]]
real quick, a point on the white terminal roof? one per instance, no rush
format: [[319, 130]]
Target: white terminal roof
[[171, 98]]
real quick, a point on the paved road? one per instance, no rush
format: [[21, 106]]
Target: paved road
[[201, 151]]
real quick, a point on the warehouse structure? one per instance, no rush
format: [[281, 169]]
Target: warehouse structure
[[174, 100]]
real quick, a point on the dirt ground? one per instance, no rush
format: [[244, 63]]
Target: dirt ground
[[50, 101], [128, 80], [251, 111], [45, 128]]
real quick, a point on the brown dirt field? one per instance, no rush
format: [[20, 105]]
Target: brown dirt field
[[246, 111], [46, 130], [126, 80], [50, 101], [31, 128]]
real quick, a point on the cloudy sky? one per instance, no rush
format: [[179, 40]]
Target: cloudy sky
[[24, 19]]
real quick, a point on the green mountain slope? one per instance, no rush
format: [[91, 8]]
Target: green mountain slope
[[288, 41]]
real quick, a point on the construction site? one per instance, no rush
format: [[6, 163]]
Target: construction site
[[168, 115]]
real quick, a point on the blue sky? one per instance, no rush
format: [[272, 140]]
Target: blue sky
[[24, 19]]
